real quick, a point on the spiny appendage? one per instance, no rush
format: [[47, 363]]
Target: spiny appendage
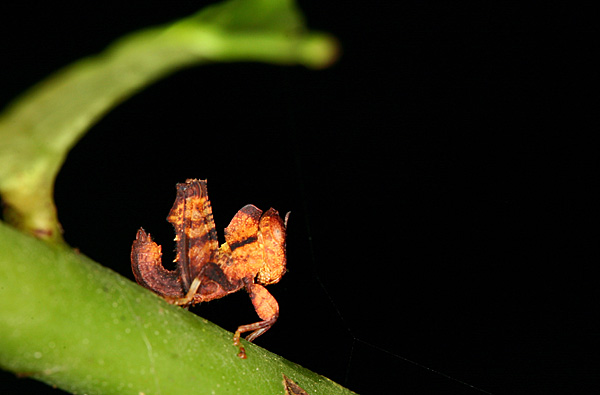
[[148, 269]]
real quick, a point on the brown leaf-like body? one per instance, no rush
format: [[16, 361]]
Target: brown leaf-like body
[[254, 254]]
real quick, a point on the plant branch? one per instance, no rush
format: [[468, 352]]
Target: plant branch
[[38, 129], [75, 324]]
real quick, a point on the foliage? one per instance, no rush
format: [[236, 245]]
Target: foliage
[[38, 129], [67, 320]]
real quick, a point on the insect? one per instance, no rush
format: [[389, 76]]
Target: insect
[[252, 256]]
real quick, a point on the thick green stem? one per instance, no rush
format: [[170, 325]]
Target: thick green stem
[[70, 322]]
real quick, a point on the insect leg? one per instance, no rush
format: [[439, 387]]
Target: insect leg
[[267, 309], [189, 297]]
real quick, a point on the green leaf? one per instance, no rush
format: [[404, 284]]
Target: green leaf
[[72, 323], [38, 129]]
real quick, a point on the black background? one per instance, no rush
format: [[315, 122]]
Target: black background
[[439, 175]]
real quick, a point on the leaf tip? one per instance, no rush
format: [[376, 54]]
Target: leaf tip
[[320, 51]]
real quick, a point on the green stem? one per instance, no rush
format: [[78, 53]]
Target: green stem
[[72, 323]]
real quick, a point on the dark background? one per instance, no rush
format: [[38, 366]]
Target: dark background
[[439, 177]]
